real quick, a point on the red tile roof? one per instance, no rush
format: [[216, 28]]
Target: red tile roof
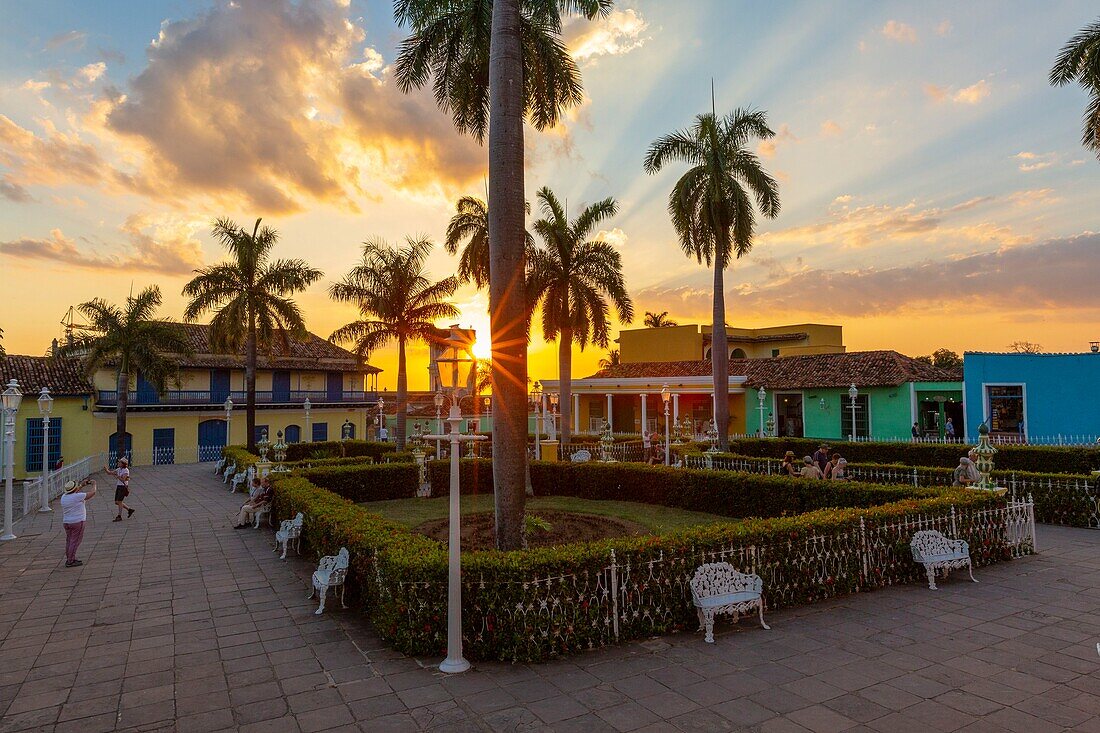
[[62, 376], [864, 368]]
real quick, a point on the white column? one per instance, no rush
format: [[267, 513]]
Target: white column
[[576, 413], [609, 423], [643, 412], [676, 409]]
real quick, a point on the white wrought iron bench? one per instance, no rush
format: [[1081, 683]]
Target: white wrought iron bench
[[290, 530], [243, 478], [581, 456], [718, 587], [331, 572], [219, 465], [229, 471], [936, 552]]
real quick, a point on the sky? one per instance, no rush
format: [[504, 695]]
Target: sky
[[934, 190]]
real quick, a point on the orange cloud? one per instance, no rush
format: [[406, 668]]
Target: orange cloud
[[900, 32], [831, 129], [767, 148], [976, 93], [619, 33]]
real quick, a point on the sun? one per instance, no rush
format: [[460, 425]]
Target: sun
[[483, 348]]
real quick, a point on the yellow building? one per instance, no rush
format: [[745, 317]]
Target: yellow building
[[189, 421], [693, 342]]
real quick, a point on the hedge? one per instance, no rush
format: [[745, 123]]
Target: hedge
[[540, 603], [367, 481], [338, 449], [1041, 459]]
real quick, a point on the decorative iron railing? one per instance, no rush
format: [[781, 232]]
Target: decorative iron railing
[[215, 398]]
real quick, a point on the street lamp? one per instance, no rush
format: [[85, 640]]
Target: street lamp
[[452, 378], [382, 419], [536, 400], [308, 406], [228, 417], [666, 396], [761, 395], [552, 428], [9, 399], [852, 394], [438, 421], [45, 406]]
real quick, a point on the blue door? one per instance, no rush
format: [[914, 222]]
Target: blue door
[[146, 392], [219, 386], [335, 386], [211, 439], [280, 387], [116, 451], [320, 432], [164, 446], [293, 434]]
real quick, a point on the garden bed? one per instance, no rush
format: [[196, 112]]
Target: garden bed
[[563, 528]]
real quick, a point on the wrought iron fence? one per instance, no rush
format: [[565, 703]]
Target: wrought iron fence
[[55, 482]]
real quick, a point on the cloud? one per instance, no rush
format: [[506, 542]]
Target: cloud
[[1054, 275], [831, 129], [162, 245], [55, 159], [900, 32], [12, 191], [944, 28], [973, 94], [615, 237], [767, 148], [92, 72], [619, 33], [1033, 197], [73, 39], [1030, 162]]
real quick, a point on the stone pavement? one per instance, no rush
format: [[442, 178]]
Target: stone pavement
[[178, 622]]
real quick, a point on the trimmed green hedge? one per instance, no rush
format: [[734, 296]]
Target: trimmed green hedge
[[338, 449], [1041, 459], [239, 455], [541, 603], [368, 481]]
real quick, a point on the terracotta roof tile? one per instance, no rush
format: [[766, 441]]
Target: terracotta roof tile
[[62, 376], [864, 368]]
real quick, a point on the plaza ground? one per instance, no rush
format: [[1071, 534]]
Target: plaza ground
[[178, 622]]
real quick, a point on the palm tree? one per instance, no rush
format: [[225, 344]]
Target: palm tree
[[572, 277], [131, 340], [612, 359], [1079, 61], [494, 63], [470, 224], [396, 302], [712, 210], [658, 320], [251, 296]]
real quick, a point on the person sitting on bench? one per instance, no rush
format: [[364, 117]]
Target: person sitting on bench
[[248, 511]]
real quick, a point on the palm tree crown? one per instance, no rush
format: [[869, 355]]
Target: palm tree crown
[[251, 296], [470, 224], [658, 320], [572, 276], [396, 302], [1079, 61], [133, 341], [612, 359]]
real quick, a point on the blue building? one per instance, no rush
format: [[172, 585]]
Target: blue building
[[1040, 398]]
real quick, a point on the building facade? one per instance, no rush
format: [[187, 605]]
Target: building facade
[[189, 420], [692, 342], [1044, 398]]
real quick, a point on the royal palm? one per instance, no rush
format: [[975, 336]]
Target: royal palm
[[1079, 61], [658, 320], [470, 225], [495, 63], [251, 296], [713, 209], [131, 340], [396, 302], [572, 277]]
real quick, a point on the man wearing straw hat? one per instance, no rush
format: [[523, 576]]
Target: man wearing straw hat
[[73, 516]]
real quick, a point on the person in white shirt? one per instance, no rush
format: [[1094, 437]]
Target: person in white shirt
[[122, 489], [73, 516]]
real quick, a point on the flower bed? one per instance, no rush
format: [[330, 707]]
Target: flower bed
[[540, 603]]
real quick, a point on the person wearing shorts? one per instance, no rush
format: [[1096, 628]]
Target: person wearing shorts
[[122, 488]]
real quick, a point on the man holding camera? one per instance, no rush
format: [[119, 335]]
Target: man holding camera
[[73, 516]]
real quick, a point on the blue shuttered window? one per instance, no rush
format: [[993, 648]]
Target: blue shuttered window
[[33, 459], [320, 431]]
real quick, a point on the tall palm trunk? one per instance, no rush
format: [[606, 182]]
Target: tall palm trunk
[[565, 379], [122, 401], [506, 272], [250, 387], [402, 393], [719, 359]]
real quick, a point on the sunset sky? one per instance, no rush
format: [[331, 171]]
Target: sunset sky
[[934, 189]]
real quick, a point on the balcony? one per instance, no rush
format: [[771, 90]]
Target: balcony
[[206, 398]]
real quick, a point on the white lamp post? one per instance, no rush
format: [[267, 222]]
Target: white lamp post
[[665, 396], [382, 418], [438, 422], [852, 394], [228, 420], [307, 406], [761, 395], [552, 427], [536, 400], [9, 399], [454, 378], [45, 406]]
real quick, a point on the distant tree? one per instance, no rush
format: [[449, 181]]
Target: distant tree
[[1079, 61], [943, 359], [1025, 347], [611, 360], [3, 354], [658, 320]]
